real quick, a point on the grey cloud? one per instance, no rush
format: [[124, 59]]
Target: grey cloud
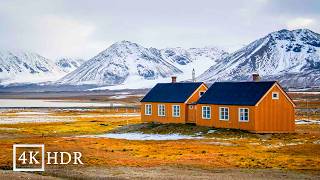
[[82, 28]]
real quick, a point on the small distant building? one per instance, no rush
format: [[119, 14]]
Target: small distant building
[[262, 107]]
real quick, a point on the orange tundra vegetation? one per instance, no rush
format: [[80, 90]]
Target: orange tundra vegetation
[[222, 149]]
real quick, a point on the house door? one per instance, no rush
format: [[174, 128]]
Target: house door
[[191, 114]]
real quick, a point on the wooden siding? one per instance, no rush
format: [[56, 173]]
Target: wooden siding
[[191, 115], [168, 118], [268, 116], [275, 115], [196, 95], [233, 121]]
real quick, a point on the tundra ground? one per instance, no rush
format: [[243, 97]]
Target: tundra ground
[[220, 153]]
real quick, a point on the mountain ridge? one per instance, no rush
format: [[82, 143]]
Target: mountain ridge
[[291, 57], [276, 56], [125, 62]]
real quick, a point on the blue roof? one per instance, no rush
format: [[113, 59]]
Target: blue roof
[[171, 92], [235, 93]]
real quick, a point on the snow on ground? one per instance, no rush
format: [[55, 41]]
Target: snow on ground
[[304, 92], [119, 97], [8, 129], [305, 121], [277, 145], [7, 103], [135, 82], [31, 113], [142, 137], [16, 120], [108, 115], [221, 143]]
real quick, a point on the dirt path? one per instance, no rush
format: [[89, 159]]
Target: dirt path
[[160, 173]]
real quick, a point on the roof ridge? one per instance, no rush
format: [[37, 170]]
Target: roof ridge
[[171, 92], [243, 81]]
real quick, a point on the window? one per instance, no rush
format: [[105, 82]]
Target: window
[[201, 93], [190, 107], [243, 114], [147, 110], [224, 113], [161, 110], [206, 112], [275, 95], [176, 111]]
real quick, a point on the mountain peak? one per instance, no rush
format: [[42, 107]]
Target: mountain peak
[[124, 43], [292, 57]]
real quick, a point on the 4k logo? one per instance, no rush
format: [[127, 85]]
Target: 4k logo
[[31, 157]]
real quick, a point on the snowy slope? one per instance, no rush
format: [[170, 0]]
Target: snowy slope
[[118, 62], [199, 59], [126, 63], [292, 57], [69, 64], [25, 67]]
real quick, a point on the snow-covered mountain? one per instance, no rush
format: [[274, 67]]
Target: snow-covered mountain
[[25, 67], [292, 57], [199, 59], [126, 63], [68, 65]]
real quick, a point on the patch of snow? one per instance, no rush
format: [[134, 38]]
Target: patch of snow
[[301, 92], [143, 137], [211, 131], [17, 120], [119, 97], [13, 103], [283, 144], [31, 113], [8, 129], [304, 121], [222, 143], [109, 115], [131, 83], [316, 142]]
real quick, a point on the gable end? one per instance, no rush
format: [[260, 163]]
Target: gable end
[[281, 90]]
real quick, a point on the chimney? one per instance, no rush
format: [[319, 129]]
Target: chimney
[[255, 77], [174, 79], [193, 75]]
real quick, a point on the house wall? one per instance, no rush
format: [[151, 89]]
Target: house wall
[[196, 95], [191, 113], [233, 121], [168, 118], [275, 115]]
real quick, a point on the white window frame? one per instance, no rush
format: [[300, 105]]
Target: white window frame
[[161, 112], [200, 93], [146, 109], [275, 93], [222, 118], [190, 106], [204, 115], [242, 120], [175, 113]]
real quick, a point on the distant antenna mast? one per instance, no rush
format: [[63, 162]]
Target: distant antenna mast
[[193, 75]]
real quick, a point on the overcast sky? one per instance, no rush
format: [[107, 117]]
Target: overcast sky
[[83, 28]]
